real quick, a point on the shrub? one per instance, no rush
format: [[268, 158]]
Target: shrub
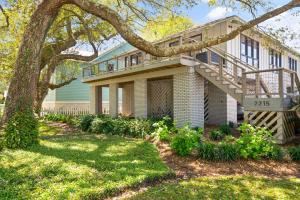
[[206, 151], [163, 129], [225, 129], [294, 153], [218, 152], [21, 130], [216, 135], [139, 127], [186, 140], [102, 126], [255, 143], [121, 126], [276, 153], [85, 122]]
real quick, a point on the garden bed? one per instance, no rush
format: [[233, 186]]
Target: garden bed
[[192, 166]]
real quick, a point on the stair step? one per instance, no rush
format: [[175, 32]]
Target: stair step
[[213, 74], [237, 91], [225, 83], [208, 70], [232, 87]]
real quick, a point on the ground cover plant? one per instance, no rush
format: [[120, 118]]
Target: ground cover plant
[[225, 187], [294, 153], [77, 166], [222, 151]]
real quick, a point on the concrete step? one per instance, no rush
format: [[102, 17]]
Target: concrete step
[[208, 70], [238, 91], [232, 87]]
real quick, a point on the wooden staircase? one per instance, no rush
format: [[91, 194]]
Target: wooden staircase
[[264, 104], [224, 82]]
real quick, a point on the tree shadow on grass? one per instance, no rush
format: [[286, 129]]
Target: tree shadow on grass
[[232, 187], [98, 166]]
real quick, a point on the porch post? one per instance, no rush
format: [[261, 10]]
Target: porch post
[[140, 98], [94, 100], [113, 99]]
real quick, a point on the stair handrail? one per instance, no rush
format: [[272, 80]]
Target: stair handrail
[[219, 52]]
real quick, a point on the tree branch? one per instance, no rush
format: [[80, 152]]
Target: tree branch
[[55, 86], [6, 18], [128, 34]]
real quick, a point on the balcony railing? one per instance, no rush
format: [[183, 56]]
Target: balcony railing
[[126, 62], [137, 58], [280, 83]]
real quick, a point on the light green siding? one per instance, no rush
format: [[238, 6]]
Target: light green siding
[[78, 91]]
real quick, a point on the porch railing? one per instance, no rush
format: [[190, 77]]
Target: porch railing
[[280, 83]]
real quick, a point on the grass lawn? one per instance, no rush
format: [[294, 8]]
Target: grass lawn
[[226, 187], [77, 166]]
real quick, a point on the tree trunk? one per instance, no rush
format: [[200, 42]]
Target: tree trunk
[[42, 92], [22, 88]]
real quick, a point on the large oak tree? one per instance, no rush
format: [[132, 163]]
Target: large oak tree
[[22, 89]]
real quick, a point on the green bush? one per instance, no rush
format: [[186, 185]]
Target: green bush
[[121, 126], [294, 153], [206, 151], [216, 135], [21, 130], [277, 153], [255, 143], [218, 152], [102, 126], [186, 140], [86, 121], [163, 128], [225, 129]]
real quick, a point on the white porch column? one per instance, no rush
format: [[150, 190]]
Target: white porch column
[[113, 99], [222, 108], [127, 99], [94, 100], [188, 98], [140, 98]]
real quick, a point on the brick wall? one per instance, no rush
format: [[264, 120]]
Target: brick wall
[[188, 98]]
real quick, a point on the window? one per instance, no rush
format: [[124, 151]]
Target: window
[[292, 64], [215, 58], [172, 44], [275, 59], [126, 62], [135, 59], [250, 51], [195, 38]]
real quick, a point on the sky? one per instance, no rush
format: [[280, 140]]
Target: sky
[[203, 13]]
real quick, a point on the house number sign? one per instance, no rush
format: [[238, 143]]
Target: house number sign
[[262, 103]]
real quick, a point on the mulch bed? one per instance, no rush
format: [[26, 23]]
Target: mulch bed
[[189, 167]]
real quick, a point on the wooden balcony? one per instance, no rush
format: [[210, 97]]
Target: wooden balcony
[[138, 62]]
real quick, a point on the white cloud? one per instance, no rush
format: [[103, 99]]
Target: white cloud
[[291, 24], [218, 12]]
